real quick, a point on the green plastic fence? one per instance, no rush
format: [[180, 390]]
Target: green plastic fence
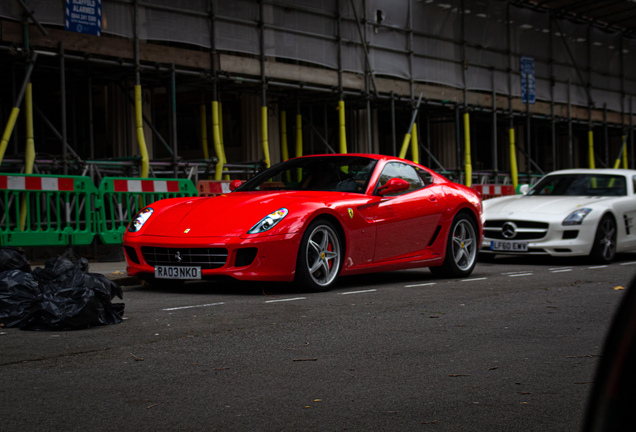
[[46, 210], [57, 210], [122, 198]]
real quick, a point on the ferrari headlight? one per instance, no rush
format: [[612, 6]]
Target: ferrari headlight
[[269, 221], [139, 220], [576, 217]]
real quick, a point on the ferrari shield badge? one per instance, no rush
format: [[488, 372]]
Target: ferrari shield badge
[[351, 213], [187, 231]]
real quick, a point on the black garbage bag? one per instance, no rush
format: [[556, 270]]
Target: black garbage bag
[[20, 297], [68, 297], [13, 259]]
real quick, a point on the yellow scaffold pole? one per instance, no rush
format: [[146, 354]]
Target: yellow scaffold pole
[[225, 176], [622, 154], [13, 117], [405, 144], [299, 140], [8, 130], [415, 151], [407, 136], [141, 139], [264, 135], [216, 134], [29, 152], [468, 166], [29, 156], [342, 127], [513, 159]]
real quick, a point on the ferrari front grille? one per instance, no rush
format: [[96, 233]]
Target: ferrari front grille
[[206, 258], [523, 230]]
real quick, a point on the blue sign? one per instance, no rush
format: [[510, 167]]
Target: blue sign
[[84, 16], [527, 80]]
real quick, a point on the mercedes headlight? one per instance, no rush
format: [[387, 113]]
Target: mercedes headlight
[[576, 217], [269, 221], [139, 220]]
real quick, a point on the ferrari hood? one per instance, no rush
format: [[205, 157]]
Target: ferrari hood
[[548, 205], [225, 215]]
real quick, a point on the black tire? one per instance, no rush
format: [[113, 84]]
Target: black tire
[[604, 248], [320, 257], [461, 249]]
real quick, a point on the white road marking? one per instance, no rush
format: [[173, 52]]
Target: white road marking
[[357, 292], [515, 272], [597, 267], [474, 279], [628, 263], [286, 300], [419, 285], [561, 270], [521, 274], [195, 306]]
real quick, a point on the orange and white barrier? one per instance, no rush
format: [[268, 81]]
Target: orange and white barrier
[[492, 191]]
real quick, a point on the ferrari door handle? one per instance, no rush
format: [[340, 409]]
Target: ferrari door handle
[[432, 198]]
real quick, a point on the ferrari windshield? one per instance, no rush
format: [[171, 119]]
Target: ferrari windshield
[[581, 185], [317, 173]]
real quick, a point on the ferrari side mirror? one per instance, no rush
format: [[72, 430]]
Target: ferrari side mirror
[[235, 184], [393, 185]]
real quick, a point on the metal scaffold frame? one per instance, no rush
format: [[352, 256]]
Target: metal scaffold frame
[[363, 84]]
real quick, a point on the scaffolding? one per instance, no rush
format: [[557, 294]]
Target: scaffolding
[[500, 81]]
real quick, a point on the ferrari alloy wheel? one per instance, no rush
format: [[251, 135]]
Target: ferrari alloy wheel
[[461, 249], [319, 257], [604, 249]]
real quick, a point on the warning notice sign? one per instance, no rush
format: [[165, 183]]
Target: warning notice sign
[[84, 16]]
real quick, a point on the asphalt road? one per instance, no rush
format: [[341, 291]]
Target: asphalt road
[[512, 348]]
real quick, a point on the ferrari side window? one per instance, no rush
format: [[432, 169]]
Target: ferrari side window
[[426, 177], [404, 172]]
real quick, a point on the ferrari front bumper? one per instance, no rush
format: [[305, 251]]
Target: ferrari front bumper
[[264, 258]]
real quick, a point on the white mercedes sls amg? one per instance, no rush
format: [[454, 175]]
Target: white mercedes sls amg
[[576, 212]]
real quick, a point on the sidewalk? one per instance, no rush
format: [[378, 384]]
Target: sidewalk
[[112, 270]]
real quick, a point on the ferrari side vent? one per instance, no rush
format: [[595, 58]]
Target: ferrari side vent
[[132, 254], [245, 256], [437, 230], [206, 258]]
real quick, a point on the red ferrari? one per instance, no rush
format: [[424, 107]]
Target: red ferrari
[[310, 220]]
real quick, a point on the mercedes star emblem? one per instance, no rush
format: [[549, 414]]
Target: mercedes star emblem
[[509, 230], [178, 256]]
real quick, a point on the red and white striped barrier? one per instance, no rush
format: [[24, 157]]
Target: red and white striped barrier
[[492, 191], [36, 183], [213, 187], [146, 186]]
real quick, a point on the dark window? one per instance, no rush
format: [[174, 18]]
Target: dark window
[[404, 172]]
